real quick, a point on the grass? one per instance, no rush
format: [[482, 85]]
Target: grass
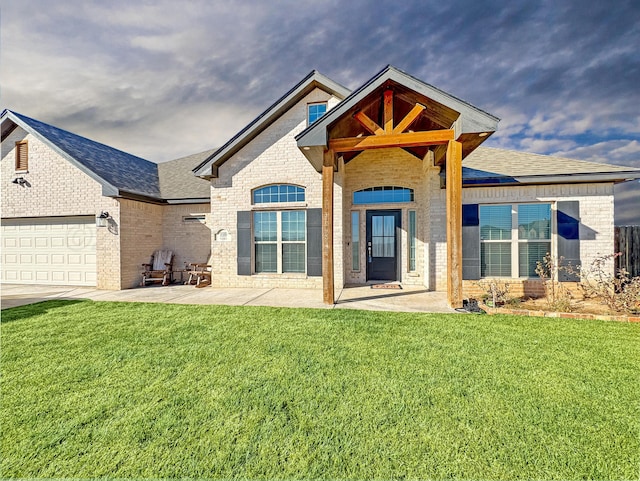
[[149, 390]]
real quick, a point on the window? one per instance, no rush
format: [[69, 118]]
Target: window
[[355, 240], [412, 240], [22, 156], [280, 241], [315, 111], [513, 238], [278, 193], [383, 195]]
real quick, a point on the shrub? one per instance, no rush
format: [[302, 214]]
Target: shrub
[[558, 297], [615, 288]]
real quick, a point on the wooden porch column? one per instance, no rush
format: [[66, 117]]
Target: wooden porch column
[[454, 223], [328, 293]]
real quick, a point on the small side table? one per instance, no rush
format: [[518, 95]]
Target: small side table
[[175, 273]]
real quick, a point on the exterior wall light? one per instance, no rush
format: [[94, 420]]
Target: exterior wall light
[[19, 181], [102, 219]]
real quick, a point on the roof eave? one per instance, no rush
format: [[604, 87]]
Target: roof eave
[[108, 189], [598, 177], [193, 200]]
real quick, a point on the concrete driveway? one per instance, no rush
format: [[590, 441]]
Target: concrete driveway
[[407, 299]]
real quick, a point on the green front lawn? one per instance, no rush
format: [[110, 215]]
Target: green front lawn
[[153, 390]]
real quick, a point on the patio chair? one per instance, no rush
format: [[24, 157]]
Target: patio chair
[[159, 268], [199, 274]]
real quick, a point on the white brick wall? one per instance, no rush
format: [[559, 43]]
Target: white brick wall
[[271, 158], [57, 188]]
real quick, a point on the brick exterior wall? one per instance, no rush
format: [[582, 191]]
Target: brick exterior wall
[[596, 224], [272, 157], [135, 230], [390, 167], [189, 240], [57, 188]]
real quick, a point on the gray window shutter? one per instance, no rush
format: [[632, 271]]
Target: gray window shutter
[[244, 243], [569, 238], [314, 242], [470, 242]]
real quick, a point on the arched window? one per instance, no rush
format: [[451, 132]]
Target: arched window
[[383, 195], [278, 193]]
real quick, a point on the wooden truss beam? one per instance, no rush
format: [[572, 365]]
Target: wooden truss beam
[[388, 111], [408, 139], [368, 124], [408, 119]]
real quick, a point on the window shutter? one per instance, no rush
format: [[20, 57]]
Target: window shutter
[[569, 238], [314, 242], [244, 243], [470, 242], [22, 156]]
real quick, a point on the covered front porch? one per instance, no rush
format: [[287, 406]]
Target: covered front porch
[[399, 135]]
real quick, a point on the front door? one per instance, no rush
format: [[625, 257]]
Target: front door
[[382, 244]]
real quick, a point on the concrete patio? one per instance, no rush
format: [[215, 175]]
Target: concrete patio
[[407, 299]]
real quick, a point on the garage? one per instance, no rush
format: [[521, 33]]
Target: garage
[[49, 250]]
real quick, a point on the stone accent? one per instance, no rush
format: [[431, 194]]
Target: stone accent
[[389, 167]]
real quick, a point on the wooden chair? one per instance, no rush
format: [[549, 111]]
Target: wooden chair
[[159, 268], [199, 274]]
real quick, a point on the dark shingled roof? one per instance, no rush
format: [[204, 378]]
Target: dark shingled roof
[[178, 182], [114, 169], [492, 166]]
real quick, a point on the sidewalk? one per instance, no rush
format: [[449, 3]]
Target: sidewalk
[[408, 299]]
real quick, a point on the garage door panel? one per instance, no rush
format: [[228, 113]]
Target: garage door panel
[[42, 276], [59, 250], [57, 242], [41, 242]]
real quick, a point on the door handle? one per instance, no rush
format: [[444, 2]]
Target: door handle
[[369, 251]]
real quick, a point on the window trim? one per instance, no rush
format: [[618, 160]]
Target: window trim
[[279, 242], [412, 234], [22, 144], [309, 105], [278, 202], [355, 241], [515, 241], [383, 188]]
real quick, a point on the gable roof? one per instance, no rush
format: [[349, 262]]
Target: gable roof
[[177, 182], [487, 166], [471, 120], [118, 172], [208, 168]]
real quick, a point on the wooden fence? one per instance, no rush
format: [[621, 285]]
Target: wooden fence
[[628, 243]]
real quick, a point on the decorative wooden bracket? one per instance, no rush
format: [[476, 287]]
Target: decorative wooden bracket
[[389, 128]]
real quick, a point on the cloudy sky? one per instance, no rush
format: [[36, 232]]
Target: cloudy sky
[[163, 79]]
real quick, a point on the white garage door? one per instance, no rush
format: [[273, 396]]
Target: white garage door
[[49, 250]]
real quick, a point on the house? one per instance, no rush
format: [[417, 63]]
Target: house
[[54, 186], [325, 188]]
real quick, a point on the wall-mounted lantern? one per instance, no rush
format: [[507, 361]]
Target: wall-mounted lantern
[[19, 181], [102, 219]]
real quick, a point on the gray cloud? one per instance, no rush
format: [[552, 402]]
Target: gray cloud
[[164, 79]]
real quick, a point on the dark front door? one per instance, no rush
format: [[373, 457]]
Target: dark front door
[[382, 244]]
